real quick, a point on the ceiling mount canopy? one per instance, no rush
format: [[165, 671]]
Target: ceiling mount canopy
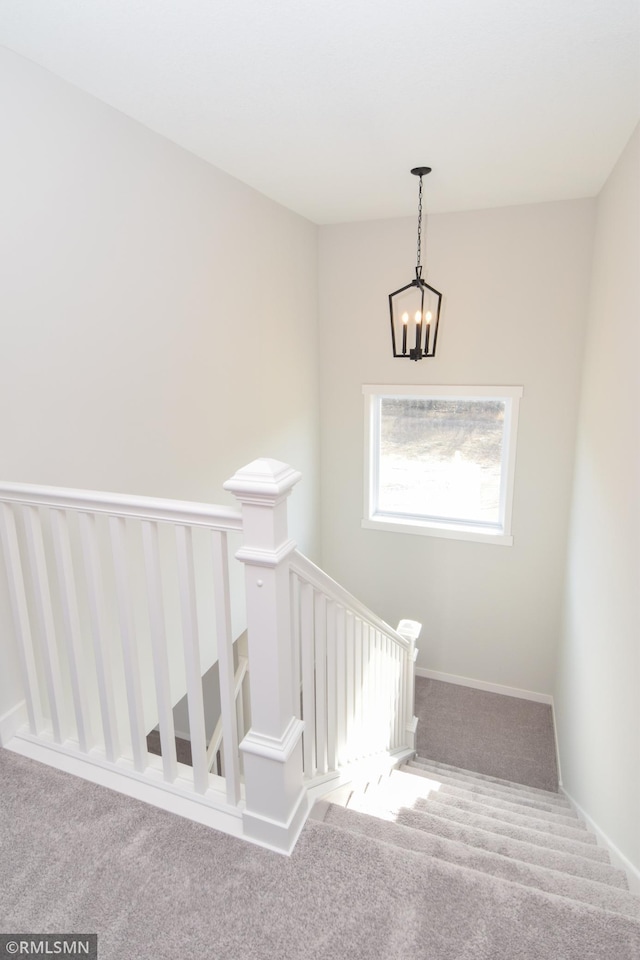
[[415, 308]]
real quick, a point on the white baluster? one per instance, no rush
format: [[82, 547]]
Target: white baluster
[[294, 587], [366, 692], [19, 609], [385, 699], [400, 687], [380, 686], [391, 698], [151, 548], [44, 616], [240, 714], [359, 705], [332, 687], [307, 655], [191, 644], [375, 689], [229, 710], [95, 597], [133, 687], [320, 632], [72, 632], [373, 746], [341, 684], [350, 658]]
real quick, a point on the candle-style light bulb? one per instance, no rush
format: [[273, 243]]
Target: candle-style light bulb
[[418, 319], [405, 322], [428, 317]]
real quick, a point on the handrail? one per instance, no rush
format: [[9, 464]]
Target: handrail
[[123, 505], [306, 569]]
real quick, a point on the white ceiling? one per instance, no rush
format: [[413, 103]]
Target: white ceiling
[[325, 105]]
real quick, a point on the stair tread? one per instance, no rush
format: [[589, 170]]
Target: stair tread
[[517, 832], [518, 849], [395, 798], [578, 832], [567, 817], [492, 917], [440, 764], [496, 790], [552, 881]]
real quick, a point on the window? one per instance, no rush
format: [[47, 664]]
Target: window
[[440, 460]]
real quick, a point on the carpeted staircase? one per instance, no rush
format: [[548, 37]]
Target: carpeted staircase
[[544, 881]]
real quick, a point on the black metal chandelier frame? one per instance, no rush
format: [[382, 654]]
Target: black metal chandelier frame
[[427, 300]]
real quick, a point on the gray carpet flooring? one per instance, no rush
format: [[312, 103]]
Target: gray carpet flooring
[[486, 732], [432, 863], [77, 857]]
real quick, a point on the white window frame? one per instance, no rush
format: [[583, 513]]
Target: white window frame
[[496, 533]]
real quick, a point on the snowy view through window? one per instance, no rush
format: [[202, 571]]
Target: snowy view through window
[[441, 458]]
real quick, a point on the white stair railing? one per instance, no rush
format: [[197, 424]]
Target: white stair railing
[[353, 675], [121, 605]]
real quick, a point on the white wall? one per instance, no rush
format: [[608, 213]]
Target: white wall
[[157, 317], [514, 282], [598, 689]]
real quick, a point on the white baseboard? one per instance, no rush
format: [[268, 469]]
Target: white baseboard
[[618, 858], [11, 721], [151, 788], [485, 685]]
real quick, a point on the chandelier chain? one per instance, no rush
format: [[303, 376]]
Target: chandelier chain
[[419, 251]]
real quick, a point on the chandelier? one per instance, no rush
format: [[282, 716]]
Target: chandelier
[[415, 308]]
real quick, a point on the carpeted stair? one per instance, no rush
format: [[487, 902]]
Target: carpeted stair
[[522, 850]]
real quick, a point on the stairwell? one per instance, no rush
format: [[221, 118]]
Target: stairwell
[[431, 861], [544, 883]]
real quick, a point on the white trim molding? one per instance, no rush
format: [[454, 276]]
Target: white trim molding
[[485, 685], [618, 858], [274, 748], [394, 520], [210, 810], [279, 836], [266, 558], [11, 721]]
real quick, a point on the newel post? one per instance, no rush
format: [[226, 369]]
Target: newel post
[[276, 802], [410, 630]]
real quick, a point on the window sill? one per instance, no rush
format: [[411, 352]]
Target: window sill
[[434, 529]]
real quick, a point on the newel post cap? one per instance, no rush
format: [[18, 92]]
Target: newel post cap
[[409, 629], [263, 480]]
